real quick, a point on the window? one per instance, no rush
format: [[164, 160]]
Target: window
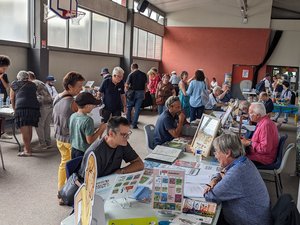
[[121, 2], [146, 12], [17, 13], [158, 47], [153, 16], [150, 45], [116, 37], [161, 20], [142, 43], [79, 35], [100, 33], [135, 41], [135, 4], [57, 31]]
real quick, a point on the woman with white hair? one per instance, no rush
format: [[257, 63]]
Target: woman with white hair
[[26, 106], [239, 186]]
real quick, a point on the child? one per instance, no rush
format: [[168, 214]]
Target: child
[[82, 133]]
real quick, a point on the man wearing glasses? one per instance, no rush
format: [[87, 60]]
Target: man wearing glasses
[[112, 93], [112, 149]]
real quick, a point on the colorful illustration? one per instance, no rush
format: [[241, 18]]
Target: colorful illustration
[[168, 189]]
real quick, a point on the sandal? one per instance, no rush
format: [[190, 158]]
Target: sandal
[[24, 154]]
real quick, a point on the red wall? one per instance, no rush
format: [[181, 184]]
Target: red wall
[[214, 50]]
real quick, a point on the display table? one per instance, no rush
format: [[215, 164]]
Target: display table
[[7, 113], [138, 209], [291, 109]]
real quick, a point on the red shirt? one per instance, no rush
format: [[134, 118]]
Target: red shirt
[[153, 82], [264, 142]]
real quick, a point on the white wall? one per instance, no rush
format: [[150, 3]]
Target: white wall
[[223, 13], [287, 52], [145, 65], [18, 57], [88, 65]]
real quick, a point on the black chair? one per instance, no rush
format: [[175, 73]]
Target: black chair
[[73, 165], [277, 167], [149, 135], [285, 211]]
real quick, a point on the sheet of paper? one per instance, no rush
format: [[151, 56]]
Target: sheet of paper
[[104, 185], [192, 190]]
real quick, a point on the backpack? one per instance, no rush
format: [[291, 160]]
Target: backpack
[[293, 98], [260, 86]]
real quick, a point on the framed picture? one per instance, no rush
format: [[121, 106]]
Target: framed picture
[[205, 134]]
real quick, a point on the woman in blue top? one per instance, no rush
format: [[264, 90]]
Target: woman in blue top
[[184, 98], [194, 91]]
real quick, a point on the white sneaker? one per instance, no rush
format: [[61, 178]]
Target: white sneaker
[[6, 136]]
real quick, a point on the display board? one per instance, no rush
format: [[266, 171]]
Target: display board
[[205, 134]]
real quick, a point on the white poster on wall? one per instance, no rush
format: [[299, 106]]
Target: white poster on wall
[[245, 74]]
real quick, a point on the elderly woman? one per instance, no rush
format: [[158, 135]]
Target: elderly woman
[[239, 186], [27, 112], [164, 90]]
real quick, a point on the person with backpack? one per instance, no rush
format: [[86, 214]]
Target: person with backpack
[[286, 96]]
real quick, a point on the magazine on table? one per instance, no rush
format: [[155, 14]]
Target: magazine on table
[[164, 154]]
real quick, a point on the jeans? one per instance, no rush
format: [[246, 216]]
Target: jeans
[[161, 109], [65, 155], [196, 113], [135, 103], [277, 115]]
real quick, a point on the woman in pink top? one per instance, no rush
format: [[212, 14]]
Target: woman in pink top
[[154, 79]]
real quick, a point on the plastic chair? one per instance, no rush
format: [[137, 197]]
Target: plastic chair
[[149, 134], [285, 211], [73, 165], [277, 167]]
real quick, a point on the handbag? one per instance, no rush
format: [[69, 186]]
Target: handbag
[[130, 94], [68, 191]]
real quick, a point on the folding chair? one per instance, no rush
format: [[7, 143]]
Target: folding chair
[[73, 165], [149, 134]]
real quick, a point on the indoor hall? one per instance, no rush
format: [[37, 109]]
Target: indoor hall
[[226, 39]]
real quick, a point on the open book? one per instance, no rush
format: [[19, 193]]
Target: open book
[[164, 154]]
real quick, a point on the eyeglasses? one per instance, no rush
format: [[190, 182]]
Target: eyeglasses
[[126, 135]]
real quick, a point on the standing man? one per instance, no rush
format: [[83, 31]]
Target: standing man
[[4, 85], [105, 73], [46, 109], [113, 95], [174, 80], [50, 80], [136, 83]]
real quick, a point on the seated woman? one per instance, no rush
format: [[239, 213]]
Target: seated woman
[[239, 186]]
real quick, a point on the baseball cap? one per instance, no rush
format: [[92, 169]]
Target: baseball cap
[[86, 98], [50, 78], [104, 71]]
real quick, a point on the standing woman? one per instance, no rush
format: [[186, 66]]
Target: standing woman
[[194, 91], [164, 90], [154, 79], [183, 97], [63, 107], [26, 106]]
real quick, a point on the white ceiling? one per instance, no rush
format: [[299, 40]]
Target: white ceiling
[[287, 9]]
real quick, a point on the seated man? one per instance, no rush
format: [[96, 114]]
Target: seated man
[[169, 124], [268, 103], [112, 149], [262, 148], [239, 186], [214, 102], [226, 95]]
